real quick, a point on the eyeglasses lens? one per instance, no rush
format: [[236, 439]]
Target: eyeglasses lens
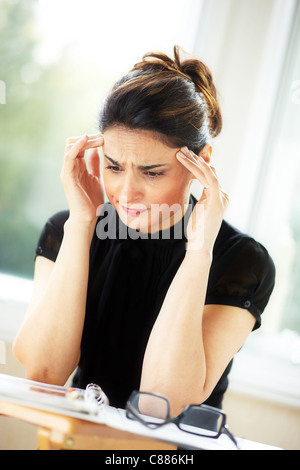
[[201, 421], [151, 406]]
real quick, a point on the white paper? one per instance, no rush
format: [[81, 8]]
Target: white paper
[[55, 399]]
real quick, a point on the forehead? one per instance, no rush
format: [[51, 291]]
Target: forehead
[[141, 146]]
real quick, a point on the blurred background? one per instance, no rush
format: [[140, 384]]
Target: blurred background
[[59, 58]]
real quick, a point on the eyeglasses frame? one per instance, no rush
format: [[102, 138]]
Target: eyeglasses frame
[[223, 428]]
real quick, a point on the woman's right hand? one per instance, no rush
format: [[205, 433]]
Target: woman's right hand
[[81, 179]]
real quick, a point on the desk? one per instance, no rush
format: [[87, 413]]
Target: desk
[[64, 424], [57, 431]]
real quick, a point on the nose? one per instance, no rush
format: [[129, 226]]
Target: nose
[[131, 189]]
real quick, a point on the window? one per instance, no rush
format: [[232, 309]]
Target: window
[[58, 60], [276, 207], [258, 76]]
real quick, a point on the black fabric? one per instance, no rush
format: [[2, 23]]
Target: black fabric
[[130, 274]]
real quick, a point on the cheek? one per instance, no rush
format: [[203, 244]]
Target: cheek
[[109, 184], [176, 189], [110, 190]]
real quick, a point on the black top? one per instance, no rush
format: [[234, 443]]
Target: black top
[[129, 277]]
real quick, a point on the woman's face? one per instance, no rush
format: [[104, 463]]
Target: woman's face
[[143, 179]]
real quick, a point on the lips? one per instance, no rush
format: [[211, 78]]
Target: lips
[[132, 211]]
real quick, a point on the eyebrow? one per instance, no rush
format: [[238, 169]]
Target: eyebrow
[[140, 167]]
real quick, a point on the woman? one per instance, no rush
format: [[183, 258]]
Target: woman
[[118, 294]]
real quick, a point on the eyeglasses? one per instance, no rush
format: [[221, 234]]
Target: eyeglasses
[[153, 411]]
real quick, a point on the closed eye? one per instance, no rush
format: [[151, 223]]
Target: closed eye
[[148, 174], [113, 168], [116, 168], [153, 174]]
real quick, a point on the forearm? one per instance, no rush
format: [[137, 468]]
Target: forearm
[[48, 343], [174, 361]]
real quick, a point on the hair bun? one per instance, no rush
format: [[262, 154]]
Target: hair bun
[[190, 69], [174, 98], [200, 74], [158, 61]]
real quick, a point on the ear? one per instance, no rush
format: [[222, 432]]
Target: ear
[[206, 152]]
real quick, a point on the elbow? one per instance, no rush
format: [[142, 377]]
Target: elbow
[[17, 350], [32, 369], [179, 403], [43, 360], [35, 370], [20, 352], [179, 399]]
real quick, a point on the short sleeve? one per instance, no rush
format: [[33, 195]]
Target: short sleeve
[[244, 277], [51, 236]]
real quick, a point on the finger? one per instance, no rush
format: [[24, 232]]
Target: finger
[[72, 140], [214, 171], [193, 167], [208, 170], [217, 179], [90, 142], [225, 197], [93, 143], [76, 149], [93, 162]]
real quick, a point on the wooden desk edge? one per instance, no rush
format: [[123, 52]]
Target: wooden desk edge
[[59, 431]]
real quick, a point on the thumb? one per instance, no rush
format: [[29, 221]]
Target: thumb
[[93, 162]]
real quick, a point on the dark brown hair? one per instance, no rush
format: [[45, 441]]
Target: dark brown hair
[[175, 99]]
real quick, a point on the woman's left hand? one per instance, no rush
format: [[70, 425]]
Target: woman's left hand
[[206, 218]]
